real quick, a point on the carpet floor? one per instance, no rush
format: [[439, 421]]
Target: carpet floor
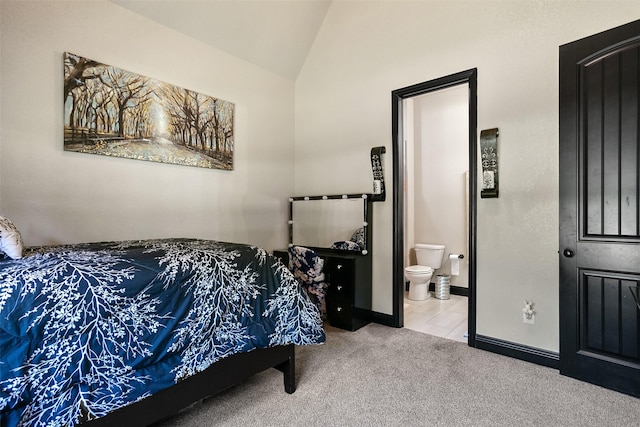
[[382, 376]]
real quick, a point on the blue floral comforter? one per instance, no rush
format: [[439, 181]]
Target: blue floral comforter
[[86, 329]]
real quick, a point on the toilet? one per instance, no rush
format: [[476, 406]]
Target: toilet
[[429, 259]]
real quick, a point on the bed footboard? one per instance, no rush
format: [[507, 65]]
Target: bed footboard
[[221, 375]]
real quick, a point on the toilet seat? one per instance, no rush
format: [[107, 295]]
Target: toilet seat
[[419, 269]]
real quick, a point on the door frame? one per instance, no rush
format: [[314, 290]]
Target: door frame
[[468, 77]]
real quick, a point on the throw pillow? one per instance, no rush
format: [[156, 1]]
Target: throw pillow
[[10, 239]]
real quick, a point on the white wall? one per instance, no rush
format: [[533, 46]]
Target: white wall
[[441, 123], [342, 108], [62, 197], [365, 50]]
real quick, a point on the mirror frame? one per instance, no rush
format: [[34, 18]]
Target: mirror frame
[[366, 218]]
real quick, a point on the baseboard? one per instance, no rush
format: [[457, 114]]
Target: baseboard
[[458, 290], [546, 358], [382, 318], [453, 290]]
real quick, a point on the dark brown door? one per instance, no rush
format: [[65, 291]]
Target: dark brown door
[[600, 209]]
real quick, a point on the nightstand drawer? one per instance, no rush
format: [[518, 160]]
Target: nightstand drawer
[[339, 272], [340, 289], [340, 313]]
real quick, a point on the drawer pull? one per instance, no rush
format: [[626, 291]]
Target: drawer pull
[[339, 266], [339, 288], [339, 309]]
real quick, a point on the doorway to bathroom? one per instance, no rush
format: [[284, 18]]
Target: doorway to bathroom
[[434, 199]]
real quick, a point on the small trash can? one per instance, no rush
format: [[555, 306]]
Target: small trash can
[[443, 286]]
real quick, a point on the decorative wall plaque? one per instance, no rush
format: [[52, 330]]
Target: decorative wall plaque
[[489, 154]]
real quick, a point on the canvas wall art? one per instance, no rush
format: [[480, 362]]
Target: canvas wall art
[[113, 112]]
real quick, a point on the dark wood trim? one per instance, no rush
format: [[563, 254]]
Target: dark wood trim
[[382, 318], [334, 197], [472, 80], [397, 97], [453, 290], [468, 77], [518, 351], [459, 290]]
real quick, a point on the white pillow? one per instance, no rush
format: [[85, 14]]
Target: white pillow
[[10, 239]]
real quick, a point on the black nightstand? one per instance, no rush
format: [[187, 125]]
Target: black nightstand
[[348, 276]]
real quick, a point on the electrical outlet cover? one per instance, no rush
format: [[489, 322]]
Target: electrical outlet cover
[[530, 321]]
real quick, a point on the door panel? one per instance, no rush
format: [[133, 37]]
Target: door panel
[[610, 314], [609, 117], [600, 208]]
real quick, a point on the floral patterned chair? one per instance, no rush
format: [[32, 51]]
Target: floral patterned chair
[[307, 268]]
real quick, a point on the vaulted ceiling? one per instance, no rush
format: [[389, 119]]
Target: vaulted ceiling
[[273, 34]]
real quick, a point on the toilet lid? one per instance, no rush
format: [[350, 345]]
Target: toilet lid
[[419, 269]]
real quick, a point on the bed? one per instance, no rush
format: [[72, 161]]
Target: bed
[[127, 333]]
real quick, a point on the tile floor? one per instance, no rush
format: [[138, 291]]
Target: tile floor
[[443, 318]]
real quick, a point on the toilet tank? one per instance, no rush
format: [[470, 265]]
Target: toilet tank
[[429, 255]]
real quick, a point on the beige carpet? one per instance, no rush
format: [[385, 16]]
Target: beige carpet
[[381, 376]]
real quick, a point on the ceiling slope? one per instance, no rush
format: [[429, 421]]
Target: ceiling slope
[[273, 34]]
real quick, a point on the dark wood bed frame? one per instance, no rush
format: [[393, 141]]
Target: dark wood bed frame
[[221, 375]]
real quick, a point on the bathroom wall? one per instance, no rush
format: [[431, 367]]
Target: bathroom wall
[[440, 161]]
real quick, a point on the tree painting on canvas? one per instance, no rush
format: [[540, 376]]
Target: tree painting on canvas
[[113, 112]]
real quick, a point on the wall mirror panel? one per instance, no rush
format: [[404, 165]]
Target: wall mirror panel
[[321, 221]]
